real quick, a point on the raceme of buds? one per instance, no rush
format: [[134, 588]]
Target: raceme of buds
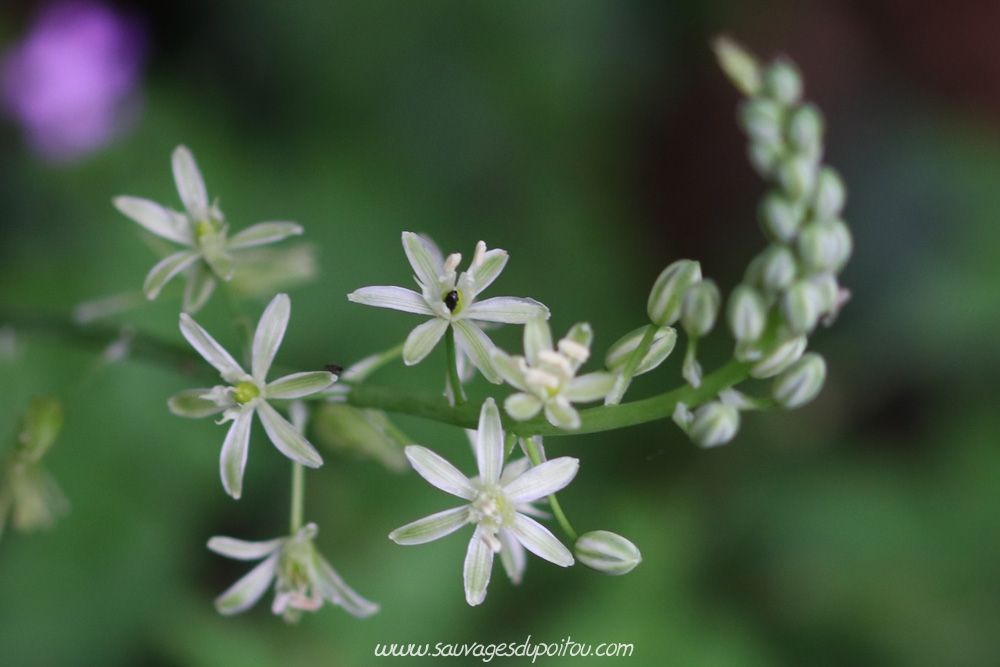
[[797, 176], [746, 313], [774, 270], [825, 246], [700, 308], [664, 305], [607, 552], [801, 382], [621, 352], [779, 357], [763, 120], [714, 424]]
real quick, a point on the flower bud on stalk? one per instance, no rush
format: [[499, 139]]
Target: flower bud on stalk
[[739, 65], [664, 305], [780, 218], [774, 270], [825, 246], [714, 424], [805, 130], [763, 121], [607, 552], [700, 308], [619, 354], [746, 313], [830, 195], [779, 357], [800, 382], [802, 305], [797, 176], [783, 82]]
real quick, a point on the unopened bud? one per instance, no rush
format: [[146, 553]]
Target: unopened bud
[[664, 305], [783, 82], [746, 313], [40, 427], [700, 308], [825, 246], [830, 195], [366, 433], [738, 64], [714, 424], [779, 357], [774, 270], [800, 383], [607, 552], [797, 176], [764, 158], [802, 305], [763, 121], [621, 352], [828, 290], [805, 130], [780, 218]]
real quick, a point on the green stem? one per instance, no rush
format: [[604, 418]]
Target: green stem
[[637, 355], [454, 382], [536, 459], [298, 496]]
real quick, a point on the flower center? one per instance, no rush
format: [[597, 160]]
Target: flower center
[[244, 392], [491, 509], [453, 301], [204, 228]]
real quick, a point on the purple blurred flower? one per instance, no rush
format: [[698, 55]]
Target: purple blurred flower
[[71, 82]]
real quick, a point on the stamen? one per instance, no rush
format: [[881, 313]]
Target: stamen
[[452, 262], [556, 359], [536, 377], [573, 350]]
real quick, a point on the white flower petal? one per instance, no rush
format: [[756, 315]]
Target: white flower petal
[[507, 367], [478, 346], [560, 413], [589, 387], [396, 298], [422, 340], [270, 332], [477, 570], [439, 472], [424, 258], [537, 337], [507, 310], [263, 233], [431, 527], [486, 268], [489, 445], [298, 385], [513, 470], [189, 403], [289, 442], [199, 287], [542, 480], [522, 406], [156, 219], [166, 269], [211, 351], [512, 556], [244, 593], [537, 539], [190, 185], [233, 459], [335, 590], [241, 549]]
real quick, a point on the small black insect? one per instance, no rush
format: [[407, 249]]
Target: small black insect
[[451, 300], [333, 368]]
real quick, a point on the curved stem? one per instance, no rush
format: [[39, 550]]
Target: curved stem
[[298, 496], [536, 459], [454, 381]]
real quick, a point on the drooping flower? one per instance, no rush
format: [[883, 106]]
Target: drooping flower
[[304, 580], [202, 229], [546, 375], [248, 393], [498, 505], [450, 299]]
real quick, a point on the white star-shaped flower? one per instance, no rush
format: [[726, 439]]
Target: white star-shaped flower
[[303, 578], [546, 375], [248, 393], [498, 505], [450, 299], [202, 229]]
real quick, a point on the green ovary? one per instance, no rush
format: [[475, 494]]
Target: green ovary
[[244, 392]]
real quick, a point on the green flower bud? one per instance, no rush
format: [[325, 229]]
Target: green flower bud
[[366, 433], [778, 358], [738, 64], [825, 246], [619, 354], [607, 552], [714, 424], [39, 427], [830, 195], [828, 290], [763, 121], [780, 218], [764, 158], [800, 383], [746, 313], [805, 130], [700, 308], [797, 176], [783, 82], [802, 305], [774, 270], [664, 305]]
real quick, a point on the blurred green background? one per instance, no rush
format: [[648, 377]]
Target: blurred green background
[[595, 141]]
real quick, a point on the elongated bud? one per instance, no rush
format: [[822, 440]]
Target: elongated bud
[[801, 382], [805, 130], [763, 121], [764, 158], [828, 290], [797, 176], [619, 354], [830, 195], [365, 433], [779, 357], [664, 305], [739, 65], [746, 313], [40, 427], [700, 308], [825, 246], [802, 305], [607, 552], [780, 218], [783, 82], [774, 270], [714, 424]]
